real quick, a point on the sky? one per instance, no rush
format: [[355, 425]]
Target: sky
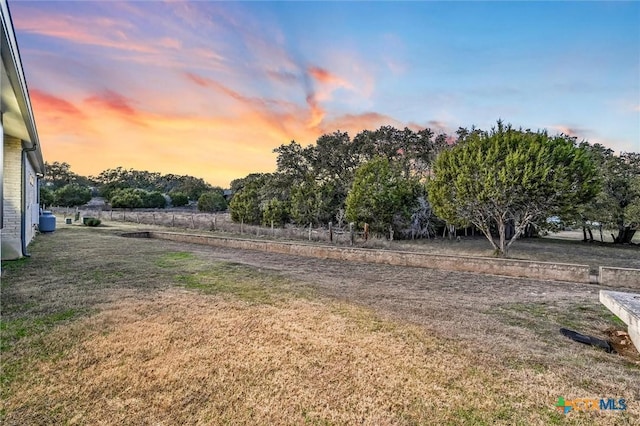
[[209, 89]]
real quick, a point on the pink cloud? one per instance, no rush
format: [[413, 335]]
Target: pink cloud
[[96, 31], [54, 105], [114, 103]]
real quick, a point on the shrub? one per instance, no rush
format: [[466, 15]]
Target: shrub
[[179, 199], [92, 221], [212, 202]]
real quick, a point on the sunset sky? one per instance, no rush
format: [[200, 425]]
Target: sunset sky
[[210, 88]]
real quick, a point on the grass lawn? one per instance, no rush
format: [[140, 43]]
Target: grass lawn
[[99, 329]]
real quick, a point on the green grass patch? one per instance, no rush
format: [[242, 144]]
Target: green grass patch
[[174, 259], [14, 265], [244, 282], [32, 331], [543, 317], [11, 331]]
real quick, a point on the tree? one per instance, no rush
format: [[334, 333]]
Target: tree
[[621, 187], [381, 196], [178, 199], [596, 209], [111, 180], [72, 195], [275, 212], [245, 205], [59, 174], [153, 200], [212, 202], [305, 202], [509, 177], [127, 198], [47, 197]]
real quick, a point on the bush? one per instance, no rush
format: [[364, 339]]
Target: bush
[[91, 221], [179, 199], [153, 200], [212, 202]]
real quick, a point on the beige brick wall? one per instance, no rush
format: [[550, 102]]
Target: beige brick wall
[[12, 180]]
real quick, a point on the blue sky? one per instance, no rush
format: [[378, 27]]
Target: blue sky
[[210, 88]]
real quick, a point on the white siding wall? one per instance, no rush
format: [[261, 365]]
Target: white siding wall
[[12, 181]]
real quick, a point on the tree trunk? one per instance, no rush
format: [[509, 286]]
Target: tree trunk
[[625, 235], [503, 241], [584, 233]]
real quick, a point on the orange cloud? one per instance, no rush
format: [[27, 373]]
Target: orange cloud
[[324, 76], [282, 115], [316, 113]]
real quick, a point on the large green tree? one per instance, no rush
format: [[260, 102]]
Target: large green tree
[[72, 195], [59, 174], [510, 177], [382, 196]]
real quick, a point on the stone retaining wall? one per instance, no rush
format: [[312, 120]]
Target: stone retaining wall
[[620, 277], [507, 267]]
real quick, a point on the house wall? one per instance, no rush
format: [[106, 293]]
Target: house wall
[[12, 181], [32, 212]]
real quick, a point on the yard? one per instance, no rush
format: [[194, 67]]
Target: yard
[[99, 329]]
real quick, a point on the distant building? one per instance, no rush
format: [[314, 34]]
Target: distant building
[[21, 156]]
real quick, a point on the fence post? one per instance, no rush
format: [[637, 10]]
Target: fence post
[[390, 233], [111, 215], [352, 235], [124, 216], [153, 218], [366, 231], [138, 217], [310, 227], [330, 231], [193, 223], [173, 220]]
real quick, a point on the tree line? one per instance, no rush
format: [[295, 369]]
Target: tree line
[[410, 184], [504, 182], [128, 188]]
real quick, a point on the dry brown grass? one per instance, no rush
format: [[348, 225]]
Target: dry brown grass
[[158, 333], [186, 358]]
